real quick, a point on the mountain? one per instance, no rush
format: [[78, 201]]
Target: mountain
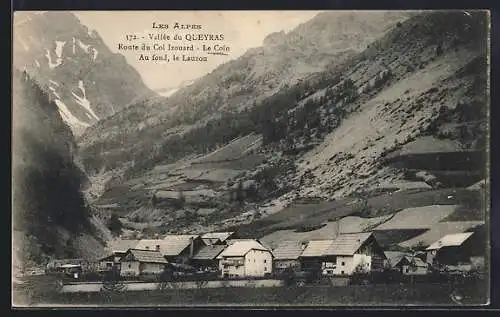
[[50, 216], [71, 62], [395, 129], [284, 59]]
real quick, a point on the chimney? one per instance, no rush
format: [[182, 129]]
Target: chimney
[[191, 247]]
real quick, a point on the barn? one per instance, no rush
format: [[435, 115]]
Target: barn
[[467, 248], [206, 258], [286, 255], [354, 252], [139, 262]]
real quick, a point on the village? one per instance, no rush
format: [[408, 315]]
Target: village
[[348, 258]]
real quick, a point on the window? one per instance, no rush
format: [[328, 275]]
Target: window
[[265, 268], [342, 272], [265, 261], [343, 263], [129, 266]]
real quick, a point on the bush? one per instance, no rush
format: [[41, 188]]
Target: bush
[[114, 224]]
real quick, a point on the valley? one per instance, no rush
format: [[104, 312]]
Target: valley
[[379, 128], [366, 150]]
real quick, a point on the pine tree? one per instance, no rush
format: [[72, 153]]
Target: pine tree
[[240, 197], [114, 224]]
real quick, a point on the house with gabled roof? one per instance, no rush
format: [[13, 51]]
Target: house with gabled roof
[[458, 248], [217, 237], [313, 256], [137, 262], [411, 265], [175, 248], [245, 258], [286, 255], [354, 252], [115, 250], [206, 258]]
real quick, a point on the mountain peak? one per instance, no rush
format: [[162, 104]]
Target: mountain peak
[[66, 58]]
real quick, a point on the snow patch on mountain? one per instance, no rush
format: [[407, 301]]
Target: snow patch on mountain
[[49, 59], [83, 101], [37, 63], [67, 116], [54, 92], [53, 82], [74, 46], [59, 48], [83, 46], [94, 51]]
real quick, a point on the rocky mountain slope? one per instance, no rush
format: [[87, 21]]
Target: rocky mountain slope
[[384, 132], [50, 217], [145, 128], [75, 67]]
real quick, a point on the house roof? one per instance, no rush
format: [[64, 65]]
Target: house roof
[[120, 245], [222, 236], [450, 240], [288, 250], [147, 256], [108, 258], [316, 248], [265, 245], [408, 259], [171, 245], [393, 257], [209, 252], [347, 244], [241, 247]]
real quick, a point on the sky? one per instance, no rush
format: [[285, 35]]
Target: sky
[[242, 30]]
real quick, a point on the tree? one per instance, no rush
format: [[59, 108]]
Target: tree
[[114, 224], [181, 200], [240, 196], [439, 50], [153, 200], [362, 196], [252, 192]]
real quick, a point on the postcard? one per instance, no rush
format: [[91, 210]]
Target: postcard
[[250, 158]]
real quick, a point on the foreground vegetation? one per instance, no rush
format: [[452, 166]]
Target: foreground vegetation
[[470, 292]]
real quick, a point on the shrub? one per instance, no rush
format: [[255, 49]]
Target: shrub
[[114, 224]]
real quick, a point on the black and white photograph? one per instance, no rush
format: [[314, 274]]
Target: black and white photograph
[[334, 158]]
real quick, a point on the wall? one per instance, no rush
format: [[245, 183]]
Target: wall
[[129, 268], [151, 267], [106, 265], [430, 256], [351, 262], [232, 270], [258, 263], [407, 270], [283, 264], [478, 262]]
